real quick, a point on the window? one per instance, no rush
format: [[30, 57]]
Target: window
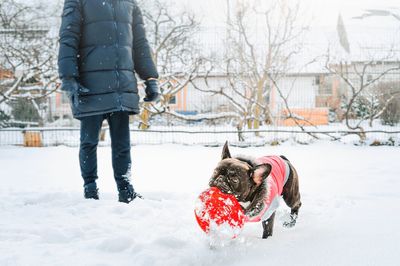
[[317, 80], [325, 85]]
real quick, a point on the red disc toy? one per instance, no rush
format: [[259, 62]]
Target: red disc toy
[[217, 211]]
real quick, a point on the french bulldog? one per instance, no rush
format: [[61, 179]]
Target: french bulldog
[[259, 183]]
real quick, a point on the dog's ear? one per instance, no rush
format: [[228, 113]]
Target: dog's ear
[[266, 170], [225, 152]]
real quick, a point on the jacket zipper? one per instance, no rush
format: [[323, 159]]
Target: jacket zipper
[[116, 49]]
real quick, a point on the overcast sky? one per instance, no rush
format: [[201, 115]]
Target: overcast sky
[[324, 12], [322, 15]]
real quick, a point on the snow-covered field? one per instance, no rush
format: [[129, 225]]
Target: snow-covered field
[[350, 213]]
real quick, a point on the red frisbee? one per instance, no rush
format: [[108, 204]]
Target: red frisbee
[[216, 211]]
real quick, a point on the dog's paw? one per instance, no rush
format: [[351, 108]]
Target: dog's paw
[[266, 235], [289, 224], [292, 222]]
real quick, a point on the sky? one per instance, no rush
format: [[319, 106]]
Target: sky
[[321, 16], [324, 12]]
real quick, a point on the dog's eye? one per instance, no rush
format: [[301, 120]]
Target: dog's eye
[[234, 179]]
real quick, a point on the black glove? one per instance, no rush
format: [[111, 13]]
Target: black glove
[[73, 89], [152, 90]]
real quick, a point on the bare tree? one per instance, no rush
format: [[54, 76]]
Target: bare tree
[[359, 79], [258, 51], [362, 99], [27, 55], [389, 98], [170, 32]]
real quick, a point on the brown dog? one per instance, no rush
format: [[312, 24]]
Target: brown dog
[[236, 176]]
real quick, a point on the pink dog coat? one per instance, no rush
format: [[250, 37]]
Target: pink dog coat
[[274, 186]]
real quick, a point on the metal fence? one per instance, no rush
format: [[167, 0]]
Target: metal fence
[[208, 136]]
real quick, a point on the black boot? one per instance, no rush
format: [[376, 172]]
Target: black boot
[[91, 191], [126, 193]]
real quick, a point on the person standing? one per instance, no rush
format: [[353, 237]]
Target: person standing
[[102, 46]]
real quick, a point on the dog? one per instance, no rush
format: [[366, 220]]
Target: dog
[[235, 176]]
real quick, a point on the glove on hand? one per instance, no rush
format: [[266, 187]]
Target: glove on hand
[[152, 90], [73, 89]]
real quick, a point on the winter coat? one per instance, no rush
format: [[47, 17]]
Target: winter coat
[[274, 186], [103, 45]]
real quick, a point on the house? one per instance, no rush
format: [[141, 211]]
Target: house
[[314, 98], [304, 92]]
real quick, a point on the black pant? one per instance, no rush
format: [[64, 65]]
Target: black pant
[[120, 145]]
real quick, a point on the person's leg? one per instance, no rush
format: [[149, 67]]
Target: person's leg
[[121, 154], [90, 130]]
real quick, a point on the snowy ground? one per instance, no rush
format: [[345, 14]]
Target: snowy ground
[[350, 213]]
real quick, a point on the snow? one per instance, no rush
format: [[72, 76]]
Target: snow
[[349, 215]]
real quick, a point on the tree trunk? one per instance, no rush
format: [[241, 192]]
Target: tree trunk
[[259, 100], [144, 118], [240, 131], [371, 120]]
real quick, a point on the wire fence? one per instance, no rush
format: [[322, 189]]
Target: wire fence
[[45, 137]]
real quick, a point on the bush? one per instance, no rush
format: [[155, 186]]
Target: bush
[[23, 110], [4, 118], [391, 115]]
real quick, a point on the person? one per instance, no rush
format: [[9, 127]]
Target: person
[[102, 45]]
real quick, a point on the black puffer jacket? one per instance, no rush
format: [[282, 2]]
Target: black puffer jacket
[[102, 45]]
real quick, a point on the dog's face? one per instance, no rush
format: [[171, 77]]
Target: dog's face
[[233, 176]]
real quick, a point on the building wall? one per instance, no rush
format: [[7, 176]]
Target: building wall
[[300, 91], [206, 102]]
